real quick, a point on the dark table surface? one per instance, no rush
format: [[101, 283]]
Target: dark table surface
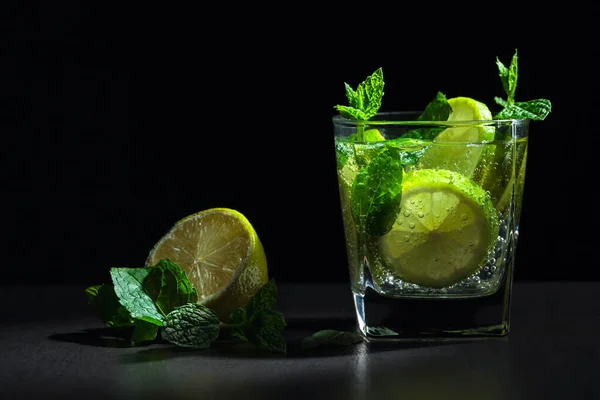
[[53, 345]]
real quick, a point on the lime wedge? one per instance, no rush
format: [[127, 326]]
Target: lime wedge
[[450, 151], [373, 135], [221, 254], [445, 229], [468, 109]]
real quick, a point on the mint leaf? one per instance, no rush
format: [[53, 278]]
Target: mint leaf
[[144, 331], [509, 76], [351, 96], [376, 193], [237, 320], [264, 299], [268, 338], [438, 109], [501, 101], [128, 288], [104, 301], [365, 101], [191, 325], [168, 286], [533, 109], [352, 113], [330, 337], [272, 319], [371, 93], [381, 331]]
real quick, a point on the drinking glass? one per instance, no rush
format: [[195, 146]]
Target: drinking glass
[[431, 213]]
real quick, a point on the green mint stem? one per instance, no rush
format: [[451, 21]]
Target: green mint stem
[[360, 133], [160, 310]]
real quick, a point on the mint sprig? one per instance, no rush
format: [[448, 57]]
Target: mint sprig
[[161, 299], [365, 101], [509, 76], [258, 323], [537, 109]]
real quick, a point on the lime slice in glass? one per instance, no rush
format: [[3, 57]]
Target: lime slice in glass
[[450, 151], [505, 189], [446, 227]]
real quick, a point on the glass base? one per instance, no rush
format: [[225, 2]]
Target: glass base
[[384, 318]]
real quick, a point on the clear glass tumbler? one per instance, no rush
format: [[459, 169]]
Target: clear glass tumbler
[[431, 217]]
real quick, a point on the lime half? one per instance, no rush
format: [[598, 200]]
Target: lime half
[[450, 150], [446, 227], [221, 254]]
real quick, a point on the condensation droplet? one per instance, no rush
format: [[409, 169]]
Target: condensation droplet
[[464, 217], [406, 213], [420, 214], [411, 225], [407, 238]]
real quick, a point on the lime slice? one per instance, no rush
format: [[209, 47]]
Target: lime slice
[[452, 153], [520, 186], [346, 176], [445, 229], [373, 135], [221, 254], [506, 189]]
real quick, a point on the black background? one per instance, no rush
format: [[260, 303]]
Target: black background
[[118, 121]]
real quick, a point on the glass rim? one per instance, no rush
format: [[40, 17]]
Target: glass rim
[[400, 118]]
